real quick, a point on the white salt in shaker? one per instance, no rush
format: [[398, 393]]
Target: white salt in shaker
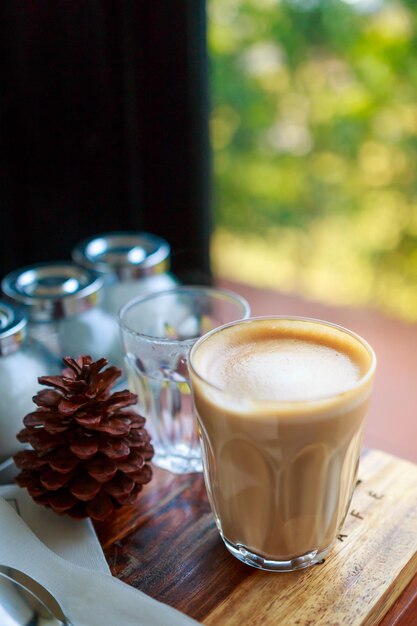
[[131, 264], [61, 301], [21, 363]]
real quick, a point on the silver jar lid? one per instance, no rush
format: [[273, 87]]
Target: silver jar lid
[[128, 255], [12, 328], [54, 290]]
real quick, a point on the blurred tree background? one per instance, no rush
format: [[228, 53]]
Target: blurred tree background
[[314, 131]]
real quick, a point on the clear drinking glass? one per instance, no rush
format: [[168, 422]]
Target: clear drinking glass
[[280, 405], [157, 333]]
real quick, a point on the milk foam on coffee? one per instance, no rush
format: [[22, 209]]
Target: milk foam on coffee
[[283, 370], [280, 362], [281, 405]]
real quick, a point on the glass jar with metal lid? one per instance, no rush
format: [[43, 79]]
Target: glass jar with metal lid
[[21, 363], [61, 301], [131, 263]]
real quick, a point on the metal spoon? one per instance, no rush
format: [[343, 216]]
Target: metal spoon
[[25, 601]]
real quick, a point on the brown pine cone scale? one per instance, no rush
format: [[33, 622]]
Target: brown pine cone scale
[[90, 452]]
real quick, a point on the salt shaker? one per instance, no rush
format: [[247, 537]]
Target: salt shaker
[[61, 301], [21, 363], [131, 264]]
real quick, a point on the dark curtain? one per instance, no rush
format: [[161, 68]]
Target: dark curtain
[[103, 126]]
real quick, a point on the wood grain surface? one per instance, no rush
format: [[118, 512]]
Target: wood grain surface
[[167, 545]]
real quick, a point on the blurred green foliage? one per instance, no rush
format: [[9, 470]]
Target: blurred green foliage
[[314, 131]]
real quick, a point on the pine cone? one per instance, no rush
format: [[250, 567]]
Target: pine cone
[[89, 453]]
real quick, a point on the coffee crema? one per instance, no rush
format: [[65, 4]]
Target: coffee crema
[[280, 406], [275, 362]]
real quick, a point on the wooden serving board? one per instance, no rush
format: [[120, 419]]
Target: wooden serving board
[[168, 546]]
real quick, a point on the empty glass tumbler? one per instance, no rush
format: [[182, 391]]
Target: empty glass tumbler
[[157, 334]]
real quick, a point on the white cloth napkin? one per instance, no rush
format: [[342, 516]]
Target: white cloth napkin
[[75, 541], [88, 598]]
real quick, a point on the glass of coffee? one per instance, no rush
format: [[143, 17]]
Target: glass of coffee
[[157, 333], [280, 405]]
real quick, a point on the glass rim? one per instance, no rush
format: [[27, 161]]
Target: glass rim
[[285, 403], [217, 292]]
